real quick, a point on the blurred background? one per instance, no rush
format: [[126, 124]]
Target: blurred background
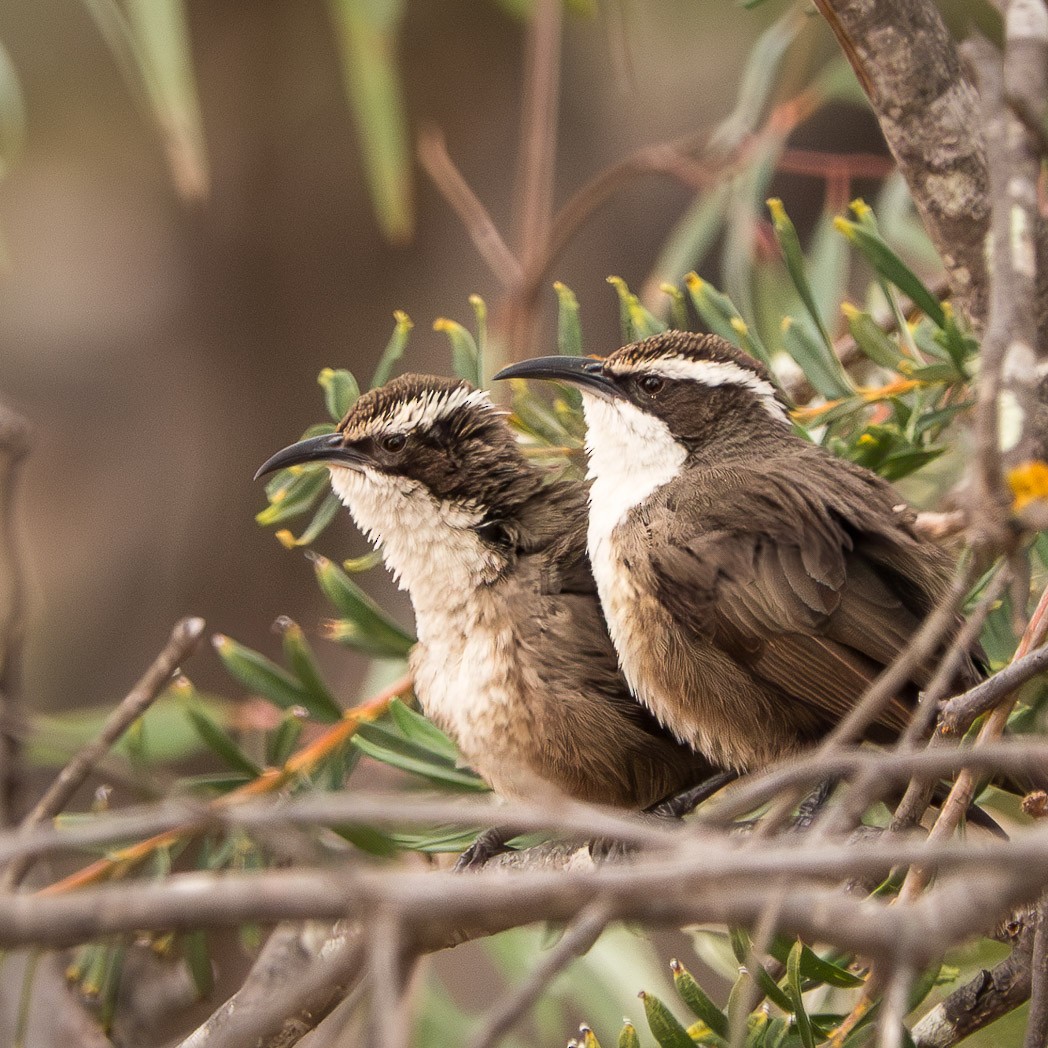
[[204, 204], [167, 304]]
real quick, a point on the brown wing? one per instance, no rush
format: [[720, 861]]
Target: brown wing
[[807, 576]]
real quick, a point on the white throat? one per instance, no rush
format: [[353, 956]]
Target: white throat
[[631, 454], [429, 545]]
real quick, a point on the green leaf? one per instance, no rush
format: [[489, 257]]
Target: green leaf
[[569, 327], [740, 944], [340, 391], [480, 314], [435, 842], [198, 962], [819, 364], [871, 340], [786, 234], [678, 307], [365, 625], [367, 37], [636, 321], [217, 740], [719, 314], [793, 981], [259, 674], [324, 515], [426, 769], [322, 704], [295, 497], [281, 741], [394, 350], [695, 998], [416, 728], [628, 1036], [368, 839], [664, 1026], [465, 358], [814, 967], [163, 50], [892, 268]]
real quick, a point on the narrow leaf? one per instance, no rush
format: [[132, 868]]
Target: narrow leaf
[[628, 1036], [664, 1026], [874, 343], [465, 359], [340, 391], [322, 704], [215, 738], [369, 628], [367, 36], [695, 998], [569, 327], [892, 268], [324, 515], [198, 962], [786, 234], [719, 314], [294, 498], [678, 306], [636, 321], [793, 981], [421, 731], [394, 350], [480, 314], [445, 776], [259, 674], [819, 364]]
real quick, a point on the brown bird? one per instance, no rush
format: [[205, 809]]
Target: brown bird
[[513, 659], [754, 585]]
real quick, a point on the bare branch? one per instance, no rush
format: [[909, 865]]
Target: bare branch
[[575, 941], [961, 712], [479, 225], [183, 640], [908, 66], [985, 998]]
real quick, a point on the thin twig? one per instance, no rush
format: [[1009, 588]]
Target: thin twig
[[961, 712], [459, 195], [576, 940], [538, 135], [183, 640], [390, 1021], [1037, 1024]]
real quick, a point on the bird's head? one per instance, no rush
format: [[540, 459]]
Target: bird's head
[[677, 390], [429, 469]]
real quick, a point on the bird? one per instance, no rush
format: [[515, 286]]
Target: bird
[[513, 659], [754, 584]]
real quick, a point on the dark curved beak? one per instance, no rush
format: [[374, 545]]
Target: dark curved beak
[[584, 372], [328, 447]]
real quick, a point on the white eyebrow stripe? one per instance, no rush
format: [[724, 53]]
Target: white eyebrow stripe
[[428, 408], [717, 373]]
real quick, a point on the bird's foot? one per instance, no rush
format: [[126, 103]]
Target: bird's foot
[[606, 849], [685, 802], [812, 805], [490, 843]]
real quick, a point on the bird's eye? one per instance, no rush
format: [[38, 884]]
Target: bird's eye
[[394, 442], [651, 384]]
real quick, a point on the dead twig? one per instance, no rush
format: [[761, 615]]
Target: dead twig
[[575, 941], [183, 640]]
